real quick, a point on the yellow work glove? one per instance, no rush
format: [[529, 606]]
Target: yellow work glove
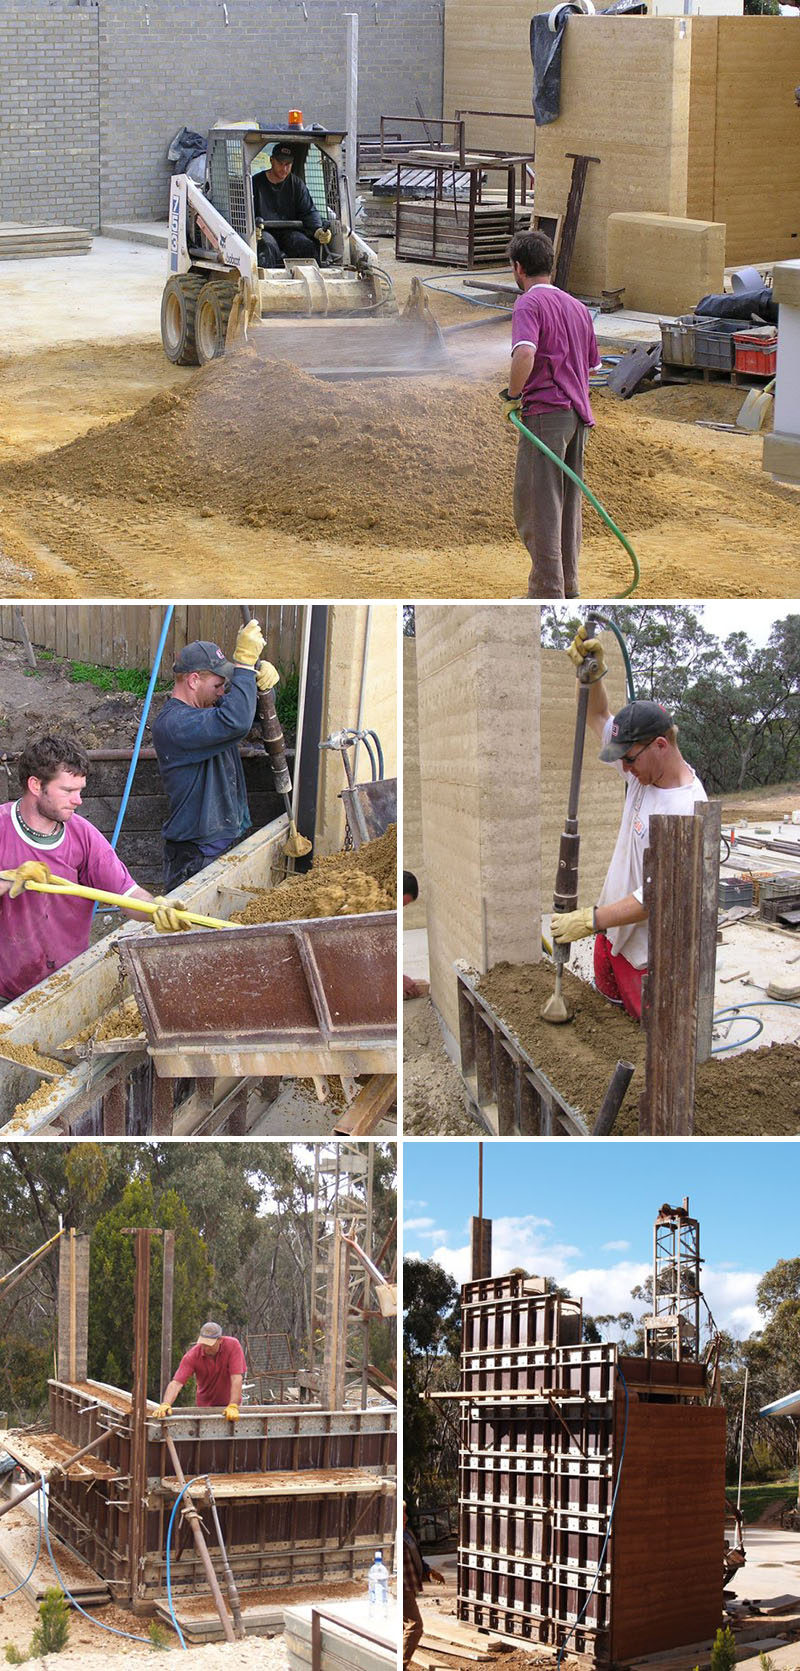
[[232, 1413], [166, 919], [509, 403], [323, 235], [267, 676], [31, 871], [162, 1411], [583, 646], [572, 925], [249, 645]]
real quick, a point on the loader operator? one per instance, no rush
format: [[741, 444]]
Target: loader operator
[[218, 1364], [42, 838], [281, 195], [641, 742], [196, 736]]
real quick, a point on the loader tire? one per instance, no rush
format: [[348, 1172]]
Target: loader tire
[[178, 308], [212, 313]]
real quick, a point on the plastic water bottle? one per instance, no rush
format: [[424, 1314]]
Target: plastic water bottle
[[378, 1588]]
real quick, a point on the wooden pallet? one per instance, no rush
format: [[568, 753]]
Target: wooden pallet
[[714, 374]]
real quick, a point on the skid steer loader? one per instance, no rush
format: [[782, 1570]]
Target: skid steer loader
[[336, 320]]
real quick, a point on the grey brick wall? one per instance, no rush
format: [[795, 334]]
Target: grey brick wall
[[49, 114], [92, 93], [171, 63]]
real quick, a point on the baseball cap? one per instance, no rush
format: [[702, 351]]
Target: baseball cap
[[208, 1334], [633, 724], [204, 657], [282, 152]]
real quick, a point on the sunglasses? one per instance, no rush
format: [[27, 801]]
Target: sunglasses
[[628, 759]]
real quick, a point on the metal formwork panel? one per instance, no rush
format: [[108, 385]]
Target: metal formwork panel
[[283, 1538], [512, 1095]]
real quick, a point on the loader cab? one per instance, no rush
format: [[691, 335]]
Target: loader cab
[[237, 153]]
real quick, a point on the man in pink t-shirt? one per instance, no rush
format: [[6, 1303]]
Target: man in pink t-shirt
[[218, 1365], [553, 350], [42, 838]]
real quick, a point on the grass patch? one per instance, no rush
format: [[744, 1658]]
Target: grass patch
[[286, 694], [758, 1496], [134, 680]]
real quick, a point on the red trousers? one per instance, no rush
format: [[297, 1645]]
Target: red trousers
[[616, 978]]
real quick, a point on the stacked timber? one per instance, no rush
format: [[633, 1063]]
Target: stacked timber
[[19, 242], [459, 234]]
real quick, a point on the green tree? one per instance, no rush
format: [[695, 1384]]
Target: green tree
[[432, 1343]]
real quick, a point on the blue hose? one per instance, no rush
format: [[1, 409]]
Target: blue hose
[[10, 1593], [572, 1629], [126, 793], [76, 1604], [175, 1505], [734, 1011]]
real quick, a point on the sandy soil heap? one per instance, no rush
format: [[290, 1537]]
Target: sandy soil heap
[[747, 1095], [397, 472], [345, 884]]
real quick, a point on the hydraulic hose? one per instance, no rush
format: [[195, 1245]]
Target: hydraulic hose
[[588, 494], [70, 1597], [734, 1012], [175, 1507], [612, 627]]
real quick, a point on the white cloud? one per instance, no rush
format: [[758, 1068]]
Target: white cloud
[[608, 1288], [732, 1298], [616, 1247], [419, 1224], [515, 1241], [411, 1203]]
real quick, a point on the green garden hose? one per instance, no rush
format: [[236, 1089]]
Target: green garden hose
[[518, 424]]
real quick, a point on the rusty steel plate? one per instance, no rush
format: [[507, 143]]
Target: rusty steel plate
[[325, 983], [370, 808]]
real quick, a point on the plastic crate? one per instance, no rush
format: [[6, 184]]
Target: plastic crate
[[679, 337], [714, 350], [756, 351]]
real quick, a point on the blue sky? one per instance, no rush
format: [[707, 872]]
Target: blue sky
[[583, 1212]]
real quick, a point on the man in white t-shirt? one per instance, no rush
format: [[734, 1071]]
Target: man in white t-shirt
[[641, 743]]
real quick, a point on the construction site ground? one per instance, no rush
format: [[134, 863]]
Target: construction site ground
[[765, 1616], [115, 465]]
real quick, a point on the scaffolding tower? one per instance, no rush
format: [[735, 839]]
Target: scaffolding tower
[[672, 1328]]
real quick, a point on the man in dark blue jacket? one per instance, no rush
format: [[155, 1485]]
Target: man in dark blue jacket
[[281, 195], [197, 735]]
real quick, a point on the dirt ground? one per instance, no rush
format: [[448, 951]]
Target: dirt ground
[[433, 1093], [33, 703], [115, 467]]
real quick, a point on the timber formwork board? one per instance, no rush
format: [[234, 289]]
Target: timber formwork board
[[508, 1091], [304, 1495], [573, 1462]]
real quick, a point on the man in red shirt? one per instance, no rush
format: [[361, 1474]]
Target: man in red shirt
[[217, 1362], [553, 350]]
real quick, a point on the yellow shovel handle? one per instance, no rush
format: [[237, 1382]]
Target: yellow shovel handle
[[147, 906]]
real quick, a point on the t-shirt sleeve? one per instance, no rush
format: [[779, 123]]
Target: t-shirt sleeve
[[236, 1359], [525, 323], [101, 868], [593, 352]]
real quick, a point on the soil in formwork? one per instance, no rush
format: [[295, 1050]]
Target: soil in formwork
[[433, 1090], [752, 1094], [341, 885]]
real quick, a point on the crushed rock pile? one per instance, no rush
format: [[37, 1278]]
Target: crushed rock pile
[[344, 884], [269, 446]]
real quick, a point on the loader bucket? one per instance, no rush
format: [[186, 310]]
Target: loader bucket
[[347, 348]]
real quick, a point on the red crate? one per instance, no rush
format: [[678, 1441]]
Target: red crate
[[756, 351]]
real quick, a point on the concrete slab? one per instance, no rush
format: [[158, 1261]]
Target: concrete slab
[[772, 1569], [416, 960], [138, 232]]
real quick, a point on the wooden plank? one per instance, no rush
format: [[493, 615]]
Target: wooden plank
[[370, 1105], [673, 898]]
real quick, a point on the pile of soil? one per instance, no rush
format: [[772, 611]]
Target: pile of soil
[[754, 1093], [342, 885], [34, 703], [365, 460], [433, 1092]]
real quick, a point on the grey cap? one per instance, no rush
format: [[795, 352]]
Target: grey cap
[[209, 1332], [633, 724], [204, 657]]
